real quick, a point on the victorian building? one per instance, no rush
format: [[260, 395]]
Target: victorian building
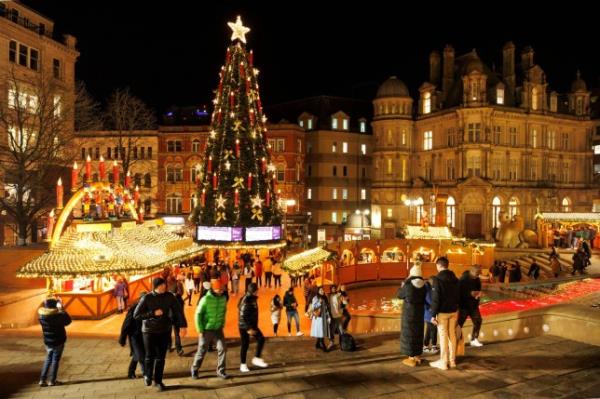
[[477, 141]]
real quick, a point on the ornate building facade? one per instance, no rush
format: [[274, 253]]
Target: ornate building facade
[[480, 141]]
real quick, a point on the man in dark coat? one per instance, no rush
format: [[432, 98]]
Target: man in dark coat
[[248, 325], [411, 334], [534, 270], [132, 329], [53, 320], [444, 311], [158, 310], [470, 293]]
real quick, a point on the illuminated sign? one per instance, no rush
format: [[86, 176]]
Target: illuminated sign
[[267, 233], [174, 220], [208, 233]]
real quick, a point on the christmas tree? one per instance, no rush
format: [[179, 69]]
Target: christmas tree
[[237, 183]]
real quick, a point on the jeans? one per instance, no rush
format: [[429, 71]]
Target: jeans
[[235, 286], [268, 276], [247, 281], [260, 342], [447, 329], [346, 319], [53, 355], [120, 303], [137, 348], [207, 339], [430, 334], [178, 345], [292, 314], [335, 327], [277, 279], [259, 280], [475, 318], [156, 346]]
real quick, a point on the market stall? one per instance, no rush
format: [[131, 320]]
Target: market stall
[[566, 229], [317, 261]]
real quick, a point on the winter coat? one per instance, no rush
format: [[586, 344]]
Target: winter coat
[[534, 271], [210, 313], [53, 322], [288, 301], [413, 293], [555, 265], [248, 309], [120, 289], [335, 305], [258, 268], [132, 329], [467, 285], [445, 294], [172, 313], [427, 314], [319, 327], [514, 274]]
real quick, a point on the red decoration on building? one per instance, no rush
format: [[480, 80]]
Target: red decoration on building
[[236, 197], [74, 176], [237, 148], [102, 168], [59, 194], [128, 179], [88, 168], [214, 181]]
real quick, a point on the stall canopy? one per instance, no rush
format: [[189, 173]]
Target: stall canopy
[[140, 249], [306, 260], [570, 218], [429, 233]]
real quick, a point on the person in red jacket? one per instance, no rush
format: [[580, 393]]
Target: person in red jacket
[[258, 271]]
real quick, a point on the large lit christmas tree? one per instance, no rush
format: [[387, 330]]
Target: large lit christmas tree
[[237, 183]]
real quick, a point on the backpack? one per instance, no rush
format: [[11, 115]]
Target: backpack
[[347, 343]]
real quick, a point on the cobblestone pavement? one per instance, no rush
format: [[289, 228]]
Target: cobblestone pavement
[[546, 367]]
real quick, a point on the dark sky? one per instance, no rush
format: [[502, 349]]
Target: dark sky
[[169, 52]]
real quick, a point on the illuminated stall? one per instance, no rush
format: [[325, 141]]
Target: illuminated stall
[[561, 228], [316, 260]]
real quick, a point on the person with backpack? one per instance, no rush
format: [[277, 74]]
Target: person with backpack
[[131, 330], [53, 320], [413, 308], [248, 326]]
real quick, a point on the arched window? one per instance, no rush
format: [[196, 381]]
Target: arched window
[[534, 99], [566, 204], [427, 103], [579, 106], [513, 207], [147, 180], [451, 212], [137, 178], [496, 207], [419, 206]]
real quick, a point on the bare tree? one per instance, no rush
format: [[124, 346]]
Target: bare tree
[[88, 113], [37, 121], [126, 114]]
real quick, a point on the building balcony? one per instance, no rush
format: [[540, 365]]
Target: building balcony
[[13, 16]]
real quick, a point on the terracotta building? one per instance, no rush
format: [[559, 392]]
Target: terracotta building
[[479, 141]]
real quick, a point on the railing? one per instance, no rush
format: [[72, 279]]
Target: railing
[[363, 272], [11, 15]]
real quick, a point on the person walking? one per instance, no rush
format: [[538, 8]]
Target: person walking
[[210, 321], [268, 269], [131, 330], [159, 311], [277, 274], [470, 294], [444, 312], [502, 273], [248, 326], [258, 271], [514, 273], [248, 275], [306, 292], [555, 266], [291, 311], [413, 308], [120, 292], [534, 270], [190, 286], [176, 287], [53, 320], [335, 306], [346, 313], [320, 316], [276, 307], [236, 271], [197, 276], [430, 342]]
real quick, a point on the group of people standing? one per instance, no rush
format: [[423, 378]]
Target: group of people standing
[[438, 306]]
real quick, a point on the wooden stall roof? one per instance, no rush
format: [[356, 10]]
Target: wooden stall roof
[[431, 233], [306, 259], [570, 217]]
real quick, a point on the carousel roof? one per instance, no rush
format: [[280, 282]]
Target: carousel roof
[[142, 249], [306, 259], [591, 217], [432, 232]]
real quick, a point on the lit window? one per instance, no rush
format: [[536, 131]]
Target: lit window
[[363, 126], [363, 149], [497, 134], [513, 136], [496, 208], [566, 204], [597, 149], [427, 103], [419, 206], [309, 124], [551, 139], [196, 146], [389, 166], [345, 124], [534, 138], [565, 141], [513, 207], [334, 217], [334, 147], [500, 96], [309, 193], [334, 123], [389, 212], [345, 193], [427, 140], [334, 193], [451, 212], [363, 194], [534, 99], [301, 123], [281, 173], [345, 147], [344, 217], [57, 106]]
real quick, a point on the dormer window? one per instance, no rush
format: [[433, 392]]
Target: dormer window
[[363, 126], [301, 123], [534, 99], [427, 103], [553, 103], [309, 124], [334, 123], [500, 95], [474, 90], [345, 124]]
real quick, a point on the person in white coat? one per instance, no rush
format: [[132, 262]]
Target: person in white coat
[[276, 307]]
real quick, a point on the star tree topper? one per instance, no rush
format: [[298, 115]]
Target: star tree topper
[[238, 30]]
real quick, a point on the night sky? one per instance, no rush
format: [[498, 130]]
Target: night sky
[[169, 53]]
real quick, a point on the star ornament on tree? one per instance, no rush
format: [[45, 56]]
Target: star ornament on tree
[[257, 201], [221, 202], [238, 30]]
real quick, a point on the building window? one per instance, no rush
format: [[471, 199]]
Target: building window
[[474, 132], [333, 217], [597, 149], [309, 170], [565, 141], [196, 146], [345, 124], [534, 99], [174, 146], [496, 209], [533, 169], [344, 217], [427, 103], [174, 203], [389, 166], [334, 193], [564, 172], [147, 180], [419, 208], [97, 153], [334, 123], [474, 166], [428, 140], [389, 213], [56, 70], [344, 170], [309, 124], [363, 149], [450, 137], [345, 147], [451, 212], [551, 139], [512, 169], [109, 152], [309, 193], [552, 170], [534, 138], [194, 173], [83, 154], [363, 126], [280, 145], [135, 153], [12, 51], [174, 174], [497, 135], [513, 136], [334, 147], [344, 193], [149, 152], [403, 137], [363, 194], [334, 171], [497, 168], [137, 180], [566, 205], [579, 106], [513, 207], [500, 95], [281, 173], [301, 123], [553, 103], [450, 171]]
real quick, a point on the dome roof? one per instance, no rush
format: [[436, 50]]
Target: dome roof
[[472, 63], [578, 84], [392, 87]]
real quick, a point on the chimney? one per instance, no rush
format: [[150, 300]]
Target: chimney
[[448, 69], [434, 67], [70, 41], [508, 66], [527, 58]]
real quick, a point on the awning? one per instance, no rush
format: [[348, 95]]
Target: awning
[[306, 259], [570, 217], [431, 233]]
